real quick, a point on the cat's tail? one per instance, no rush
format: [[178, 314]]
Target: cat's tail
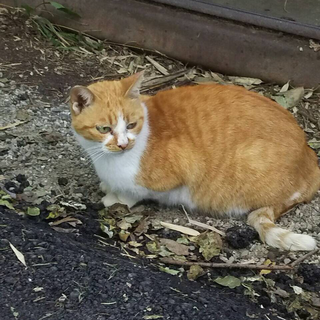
[[263, 221]]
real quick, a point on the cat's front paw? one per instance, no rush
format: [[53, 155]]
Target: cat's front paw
[[130, 202], [110, 199], [104, 187]]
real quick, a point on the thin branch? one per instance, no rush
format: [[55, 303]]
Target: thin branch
[[226, 265], [307, 255], [202, 225]]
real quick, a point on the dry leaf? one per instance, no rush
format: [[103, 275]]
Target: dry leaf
[[158, 66], [175, 247], [228, 281], [268, 262], [142, 227], [290, 98], [209, 244], [285, 87], [124, 225], [245, 81], [195, 272], [124, 235], [185, 230], [18, 254]]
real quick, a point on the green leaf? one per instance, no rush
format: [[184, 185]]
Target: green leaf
[[290, 98], [7, 204], [168, 270], [228, 281], [152, 316], [28, 9], [62, 8], [33, 211]]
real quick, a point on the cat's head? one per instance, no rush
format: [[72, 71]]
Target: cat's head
[[109, 112]]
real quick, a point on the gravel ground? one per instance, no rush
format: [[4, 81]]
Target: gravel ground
[[40, 160]]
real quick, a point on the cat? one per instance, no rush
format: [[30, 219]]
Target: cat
[[212, 148]]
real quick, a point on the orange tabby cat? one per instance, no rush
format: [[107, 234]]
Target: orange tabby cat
[[213, 148]]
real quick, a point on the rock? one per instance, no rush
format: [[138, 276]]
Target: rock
[[241, 236]]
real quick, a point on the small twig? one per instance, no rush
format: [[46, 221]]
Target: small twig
[[307, 255], [226, 265], [202, 225]]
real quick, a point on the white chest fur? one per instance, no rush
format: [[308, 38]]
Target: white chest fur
[[118, 171]]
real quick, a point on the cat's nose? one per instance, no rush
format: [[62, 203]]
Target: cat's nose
[[122, 146]]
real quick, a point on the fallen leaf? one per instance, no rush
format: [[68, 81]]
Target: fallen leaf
[[168, 270], [124, 225], [297, 290], [228, 281], [55, 211], [282, 293], [290, 98], [268, 262], [133, 218], [134, 244], [33, 211], [209, 244], [245, 81], [185, 230], [314, 143], [106, 230], [183, 240], [158, 66], [18, 254], [249, 291], [195, 272], [123, 235], [175, 247], [142, 227], [37, 289], [285, 87], [308, 95], [6, 203]]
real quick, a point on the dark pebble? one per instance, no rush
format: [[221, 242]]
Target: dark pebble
[[310, 273], [62, 181], [240, 237]]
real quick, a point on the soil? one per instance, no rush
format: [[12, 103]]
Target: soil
[[69, 273]]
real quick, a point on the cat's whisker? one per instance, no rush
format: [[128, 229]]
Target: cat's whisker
[[99, 157]]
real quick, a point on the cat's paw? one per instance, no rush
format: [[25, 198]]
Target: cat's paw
[[287, 240], [110, 199], [130, 202], [104, 187]]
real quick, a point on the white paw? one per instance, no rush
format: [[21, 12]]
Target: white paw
[[287, 240], [110, 199], [104, 187], [130, 202]]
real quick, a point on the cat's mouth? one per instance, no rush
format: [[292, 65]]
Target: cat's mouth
[[120, 149]]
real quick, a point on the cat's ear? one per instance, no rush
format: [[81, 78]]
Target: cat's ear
[[80, 98], [132, 85]]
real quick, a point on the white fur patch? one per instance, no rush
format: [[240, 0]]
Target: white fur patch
[[295, 196], [119, 170], [287, 240], [121, 131]]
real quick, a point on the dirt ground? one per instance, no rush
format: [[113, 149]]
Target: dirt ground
[[69, 272]]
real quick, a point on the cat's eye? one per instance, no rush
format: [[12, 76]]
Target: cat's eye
[[103, 129], [131, 125]]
